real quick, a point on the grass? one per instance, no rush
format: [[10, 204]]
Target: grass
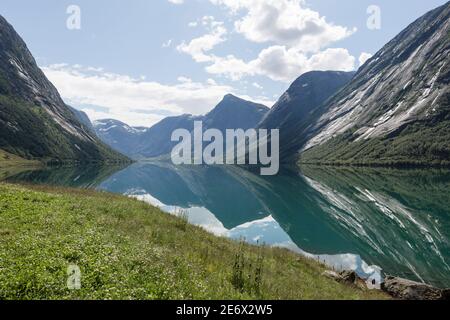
[[127, 249], [30, 132]]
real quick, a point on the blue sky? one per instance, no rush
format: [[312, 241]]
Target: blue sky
[[139, 61]]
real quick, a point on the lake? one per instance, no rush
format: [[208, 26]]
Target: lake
[[360, 219]]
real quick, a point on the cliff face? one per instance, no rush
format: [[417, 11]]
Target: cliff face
[[396, 108], [292, 112]]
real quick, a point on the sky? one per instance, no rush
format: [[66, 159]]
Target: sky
[[140, 61]]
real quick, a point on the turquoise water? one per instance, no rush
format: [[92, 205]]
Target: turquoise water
[[361, 219]]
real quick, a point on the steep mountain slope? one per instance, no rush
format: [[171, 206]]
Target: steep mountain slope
[[83, 118], [34, 121], [231, 113], [291, 114], [118, 135], [396, 108]]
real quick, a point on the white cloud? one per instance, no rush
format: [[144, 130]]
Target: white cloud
[[183, 79], [364, 57], [298, 37], [206, 21], [134, 101], [285, 22], [176, 1], [257, 85], [229, 66], [167, 44], [197, 48], [282, 64], [210, 22]]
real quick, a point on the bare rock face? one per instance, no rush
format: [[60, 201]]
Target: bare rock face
[[397, 97], [291, 112], [411, 290]]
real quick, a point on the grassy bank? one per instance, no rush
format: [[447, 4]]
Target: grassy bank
[[8, 160], [127, 249]]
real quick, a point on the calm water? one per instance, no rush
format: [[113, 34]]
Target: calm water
[[366, 220]]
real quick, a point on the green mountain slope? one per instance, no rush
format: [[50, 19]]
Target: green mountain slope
[[34, 121]]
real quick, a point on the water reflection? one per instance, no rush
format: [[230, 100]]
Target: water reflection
[[357, 219], [263, 231], [85, 177], [403, 217]]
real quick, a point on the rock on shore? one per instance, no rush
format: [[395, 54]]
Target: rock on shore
[[410, 290]]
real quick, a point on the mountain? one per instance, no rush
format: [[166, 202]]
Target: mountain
[[34, 120], [156, 141], [231, 113], [395, 111], [291, 113], [83, 118], [118, 135]]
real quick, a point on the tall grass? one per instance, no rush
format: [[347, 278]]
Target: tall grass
[[183, 219], [247, 275]]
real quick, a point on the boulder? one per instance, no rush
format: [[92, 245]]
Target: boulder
[[331, 275], [348, 276], [410, 290], [446, 294]]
